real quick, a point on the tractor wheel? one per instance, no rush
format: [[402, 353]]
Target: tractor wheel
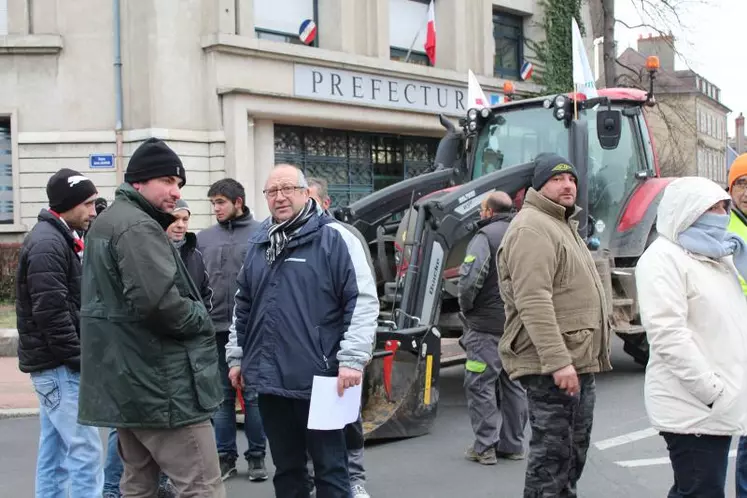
[[636, 345]]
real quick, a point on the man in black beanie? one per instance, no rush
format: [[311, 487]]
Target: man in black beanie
[[48, 311], [150, 366], [556, 335]]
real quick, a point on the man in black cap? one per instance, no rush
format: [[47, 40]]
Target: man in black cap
[[556, 335], [47, 310], [150, 366]]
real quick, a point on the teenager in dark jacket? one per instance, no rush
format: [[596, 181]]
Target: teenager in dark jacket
[[48, 310], [224, 247]]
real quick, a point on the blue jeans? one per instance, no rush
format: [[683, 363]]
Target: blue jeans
[[699, 464], [69, 453], [225, 418], [113, 468], [741, 468]]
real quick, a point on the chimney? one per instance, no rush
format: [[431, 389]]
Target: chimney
[[660, 46], [739, 132]]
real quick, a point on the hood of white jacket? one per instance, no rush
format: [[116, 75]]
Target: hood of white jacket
[[683, 202]]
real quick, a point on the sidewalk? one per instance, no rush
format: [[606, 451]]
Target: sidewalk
[[17, 397]]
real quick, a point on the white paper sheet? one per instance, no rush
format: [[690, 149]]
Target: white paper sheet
[[328, 411]]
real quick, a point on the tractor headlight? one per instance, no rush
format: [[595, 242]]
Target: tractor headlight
[[472, 114], [472, 125], [485, 113], [559, 113], [560, 101]]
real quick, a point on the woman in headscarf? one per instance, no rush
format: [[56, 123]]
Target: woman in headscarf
[[695, 316]]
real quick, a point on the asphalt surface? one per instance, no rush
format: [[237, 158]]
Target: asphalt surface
[[432, 466]]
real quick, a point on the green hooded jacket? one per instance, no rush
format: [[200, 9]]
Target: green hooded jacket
[[148, 352]]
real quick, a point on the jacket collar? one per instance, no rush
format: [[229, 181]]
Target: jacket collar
[[550, 208], [495, 218], [242, 220], [740, 215], [127, 193], [59, 224]]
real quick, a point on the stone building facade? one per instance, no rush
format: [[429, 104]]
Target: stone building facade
[[233, 90]]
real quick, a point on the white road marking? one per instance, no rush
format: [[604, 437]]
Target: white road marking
[[630, 437], [646, 462]]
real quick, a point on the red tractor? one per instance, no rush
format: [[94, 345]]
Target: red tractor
[[419, 228]]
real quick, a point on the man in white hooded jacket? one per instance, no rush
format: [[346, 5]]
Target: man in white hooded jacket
[[694, 313]]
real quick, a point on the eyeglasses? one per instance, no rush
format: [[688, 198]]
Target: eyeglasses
[[739, 185], [287, 191]]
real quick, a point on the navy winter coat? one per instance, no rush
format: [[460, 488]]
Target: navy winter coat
[[313, 310]]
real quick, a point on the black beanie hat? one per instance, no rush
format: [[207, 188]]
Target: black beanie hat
[[154, 159], [547, 165], [68, 188]]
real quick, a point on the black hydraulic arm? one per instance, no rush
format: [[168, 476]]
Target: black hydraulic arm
[[440, 224], [369, 213]]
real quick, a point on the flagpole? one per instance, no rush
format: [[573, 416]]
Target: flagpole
[[420, 29]]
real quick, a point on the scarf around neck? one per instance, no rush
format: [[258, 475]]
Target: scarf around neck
[[281, 233], [708, 237], [178, 244]]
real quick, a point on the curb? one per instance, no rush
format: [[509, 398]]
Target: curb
[[8, 343], [18, 413]]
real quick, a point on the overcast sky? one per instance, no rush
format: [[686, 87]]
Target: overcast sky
[[708, 40]]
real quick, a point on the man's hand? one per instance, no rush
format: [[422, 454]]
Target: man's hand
[[347, 377], [234, 375], [567, 380]]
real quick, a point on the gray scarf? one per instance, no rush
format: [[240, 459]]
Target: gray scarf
[[708, 236], [281, 233]]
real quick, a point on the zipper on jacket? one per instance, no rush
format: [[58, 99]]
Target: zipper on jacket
[[321, 348]]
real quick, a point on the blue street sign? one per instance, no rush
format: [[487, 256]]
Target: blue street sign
[[101, 160]]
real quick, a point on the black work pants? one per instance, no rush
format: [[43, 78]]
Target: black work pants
[[285, 421], [699, 464]]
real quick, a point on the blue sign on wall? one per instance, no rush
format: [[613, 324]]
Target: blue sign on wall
[[101, 160]]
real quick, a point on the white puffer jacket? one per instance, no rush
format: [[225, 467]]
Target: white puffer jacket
[[695, 317]]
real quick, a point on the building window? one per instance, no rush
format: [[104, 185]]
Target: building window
[[354, 163], [280, 20], [408, 21], [6, 172], [400, 54], [3, 17], [508, 33]]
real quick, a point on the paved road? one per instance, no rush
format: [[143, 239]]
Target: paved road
[[432, 466]]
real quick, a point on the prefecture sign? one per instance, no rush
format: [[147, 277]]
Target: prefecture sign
[[338, 85], [101, 160]]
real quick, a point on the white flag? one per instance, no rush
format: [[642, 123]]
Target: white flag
[[475, 96], [583, 78]]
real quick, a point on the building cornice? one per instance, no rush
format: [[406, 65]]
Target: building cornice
[[31, 44]]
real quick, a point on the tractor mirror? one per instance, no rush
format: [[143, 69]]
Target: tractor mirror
[[609, 126]]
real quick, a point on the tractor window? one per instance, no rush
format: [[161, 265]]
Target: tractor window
[[516, 137], [612, 175]]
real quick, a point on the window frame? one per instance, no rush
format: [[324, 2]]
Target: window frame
[[417, 55], [15, 227], [315, 43], [500, 18]]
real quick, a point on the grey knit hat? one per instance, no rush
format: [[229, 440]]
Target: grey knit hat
[[182, 204]]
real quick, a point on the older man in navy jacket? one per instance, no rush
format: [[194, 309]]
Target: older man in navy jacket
[[306, 306]]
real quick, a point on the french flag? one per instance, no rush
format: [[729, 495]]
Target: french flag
[[526, 70], [430, 35]]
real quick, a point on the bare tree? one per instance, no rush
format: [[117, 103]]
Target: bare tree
[[659, 16]]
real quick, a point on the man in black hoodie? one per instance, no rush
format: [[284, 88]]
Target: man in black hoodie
[[48, 283], [223, 248]]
